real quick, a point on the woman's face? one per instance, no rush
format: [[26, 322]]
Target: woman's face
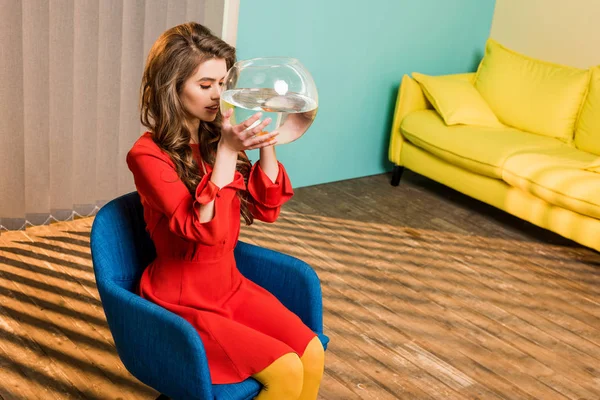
[[202, 91]]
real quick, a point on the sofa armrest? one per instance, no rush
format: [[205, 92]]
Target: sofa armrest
[[410, 98], [158, 347], [291, 280]]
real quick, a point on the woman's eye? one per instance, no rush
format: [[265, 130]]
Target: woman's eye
[[221, 83], [205, 87]]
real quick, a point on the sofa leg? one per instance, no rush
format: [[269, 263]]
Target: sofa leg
[[397, 174], [162, 397]]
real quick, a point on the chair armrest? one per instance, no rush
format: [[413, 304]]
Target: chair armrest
[[158, 347], [289, 279]]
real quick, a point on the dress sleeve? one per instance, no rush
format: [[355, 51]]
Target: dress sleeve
[[161, 188], [268, 197]]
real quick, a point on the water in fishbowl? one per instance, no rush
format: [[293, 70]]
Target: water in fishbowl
[[291, 113]]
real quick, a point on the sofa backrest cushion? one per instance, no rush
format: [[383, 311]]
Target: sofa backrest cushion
[[456, 100], [529, 94], [587, 135]]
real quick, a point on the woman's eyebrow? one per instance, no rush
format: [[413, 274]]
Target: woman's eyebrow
[[206, 78]]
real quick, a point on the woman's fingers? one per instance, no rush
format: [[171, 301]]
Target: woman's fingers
[[251, 133], [264, 144], [264, 140], [257, 130], [226, 115], [247, 123]]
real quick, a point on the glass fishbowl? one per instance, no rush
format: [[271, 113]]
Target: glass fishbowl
[[279, 87]]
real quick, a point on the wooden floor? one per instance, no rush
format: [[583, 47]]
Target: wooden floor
[[427, 294]]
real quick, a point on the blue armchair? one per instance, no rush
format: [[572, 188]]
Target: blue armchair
[[160, 348]]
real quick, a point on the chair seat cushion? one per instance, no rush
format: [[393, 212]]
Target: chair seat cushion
[[245, 390], [478, 149], [558, 177]]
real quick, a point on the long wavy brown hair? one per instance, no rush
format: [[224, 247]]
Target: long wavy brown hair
[[173, 58]]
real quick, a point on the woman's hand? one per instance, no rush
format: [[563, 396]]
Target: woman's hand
[[239, 138]]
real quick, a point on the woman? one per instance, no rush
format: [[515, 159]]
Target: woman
[[194, 180]]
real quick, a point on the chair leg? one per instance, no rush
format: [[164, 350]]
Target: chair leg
[[397, 174], [162, 397]]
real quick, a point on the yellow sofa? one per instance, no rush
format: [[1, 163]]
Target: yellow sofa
[[541, 163]]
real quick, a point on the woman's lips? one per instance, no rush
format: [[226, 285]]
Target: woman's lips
[[213, 109]]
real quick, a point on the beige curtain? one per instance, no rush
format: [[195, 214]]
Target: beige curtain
[[70, 72]]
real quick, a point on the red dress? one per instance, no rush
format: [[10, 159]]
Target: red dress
[[243, 327]]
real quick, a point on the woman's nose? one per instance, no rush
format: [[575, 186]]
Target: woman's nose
[[216, 93]]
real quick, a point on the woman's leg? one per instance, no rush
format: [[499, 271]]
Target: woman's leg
[[313, 363], [282, 380]]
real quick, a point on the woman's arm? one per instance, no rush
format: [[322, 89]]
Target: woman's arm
[[223, 173], [268, 194], [159, 186], [233, 140], [268, 162]]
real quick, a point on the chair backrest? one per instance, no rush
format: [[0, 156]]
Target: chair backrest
[[121, 247]]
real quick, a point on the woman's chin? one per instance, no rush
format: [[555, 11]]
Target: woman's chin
[[209, 117]]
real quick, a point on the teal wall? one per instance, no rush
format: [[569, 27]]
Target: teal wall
[[357, 52]]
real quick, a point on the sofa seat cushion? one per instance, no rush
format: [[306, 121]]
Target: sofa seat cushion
[[558, 177], [482, 150]]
